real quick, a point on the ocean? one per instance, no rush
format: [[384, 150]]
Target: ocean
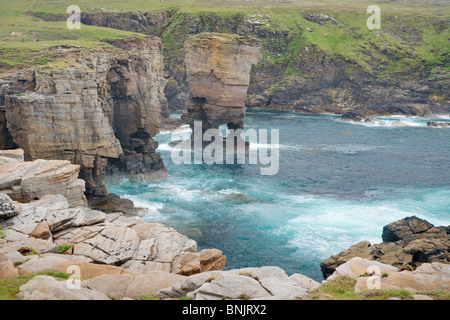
[[338, 183]]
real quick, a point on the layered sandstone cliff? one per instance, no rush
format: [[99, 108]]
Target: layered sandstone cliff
[[218, 72], [98, 109], [311, 62]]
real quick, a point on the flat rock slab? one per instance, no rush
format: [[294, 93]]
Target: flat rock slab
[[114, 245]]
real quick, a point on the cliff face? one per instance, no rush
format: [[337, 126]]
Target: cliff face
[[218, 74], [98, 109], [311, 61]]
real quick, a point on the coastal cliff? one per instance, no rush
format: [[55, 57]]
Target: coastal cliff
[[311, 60], [98, 109]]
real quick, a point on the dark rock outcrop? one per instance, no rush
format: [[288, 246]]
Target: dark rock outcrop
[[407, 243], [8, 209], [438, 124], [354, 116], [405, 230]]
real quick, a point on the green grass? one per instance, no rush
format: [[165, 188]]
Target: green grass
[[148, 297], [17, 7], [34, 32], [411, 43], [10, 287], [342, 288], [28, 41], [64, 247]]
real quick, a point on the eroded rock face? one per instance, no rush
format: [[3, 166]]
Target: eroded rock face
[[218, 73], [99, 110]]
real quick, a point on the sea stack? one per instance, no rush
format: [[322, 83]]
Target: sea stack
[[218, 73]]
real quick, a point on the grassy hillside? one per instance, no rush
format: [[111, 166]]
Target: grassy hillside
[[413, 42], [407, 27]]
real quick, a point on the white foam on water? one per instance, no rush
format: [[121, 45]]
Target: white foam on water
[[182, 192], [255, 145], [229, 191], [348, 148], [164, 147], [299, 199], [152, 208], [405, 121], [326, 226]]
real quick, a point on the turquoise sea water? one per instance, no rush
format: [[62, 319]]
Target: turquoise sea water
[[338, 183]]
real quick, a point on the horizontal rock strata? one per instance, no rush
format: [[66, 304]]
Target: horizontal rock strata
[[97, 109], [218, 73], [31, 180]]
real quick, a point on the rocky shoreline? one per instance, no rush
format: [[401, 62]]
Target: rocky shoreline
[[120, 257]]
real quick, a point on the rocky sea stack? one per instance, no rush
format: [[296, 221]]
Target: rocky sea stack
[[218, 73]]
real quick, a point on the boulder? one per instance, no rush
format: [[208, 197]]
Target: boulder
[[31, 180], [328, 266], [113, 245], [50, 214], [89, 270], [188, 263], [14, 256], [152, 282], [438, 124], [7, 269], [112, 285], [14, 154], [399, 123], [406, 229], [429, 250], [354, 116], [232, 287], [39, 245], [49, 288], [211, 259], [46, 262], [427, 277], [357, 267], [8, 208], [304, 282], [41, 231], [34, 266], [282, 289], [246, 283], [409, 241]]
